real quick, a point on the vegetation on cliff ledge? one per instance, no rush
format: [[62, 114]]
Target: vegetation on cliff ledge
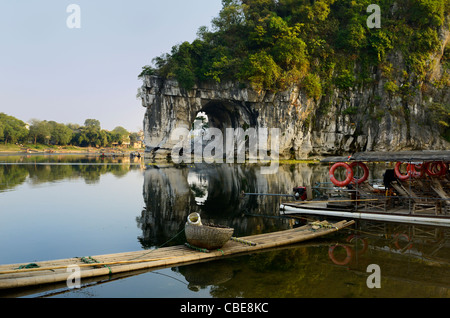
[[274, 43]]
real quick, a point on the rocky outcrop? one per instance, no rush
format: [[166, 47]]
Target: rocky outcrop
[[364, 117]]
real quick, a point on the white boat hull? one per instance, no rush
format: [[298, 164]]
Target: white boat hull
[[436, 221]]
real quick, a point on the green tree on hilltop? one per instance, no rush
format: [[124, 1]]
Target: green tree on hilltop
[[273, 44]]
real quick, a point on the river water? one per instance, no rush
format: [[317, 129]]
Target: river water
[[62, 206]]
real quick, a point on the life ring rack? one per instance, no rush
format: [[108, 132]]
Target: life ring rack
[[433, 169], [430, 168]]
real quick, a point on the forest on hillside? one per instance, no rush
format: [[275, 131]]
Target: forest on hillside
[[274, 43], [319, 45]]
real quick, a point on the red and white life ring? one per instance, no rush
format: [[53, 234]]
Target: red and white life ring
[[349, 173], [399, 174], [436, 168], [416, 171], [365, 175], [412, 170]]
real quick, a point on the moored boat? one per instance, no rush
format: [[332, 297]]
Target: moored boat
[[415, 188], [97, 267]]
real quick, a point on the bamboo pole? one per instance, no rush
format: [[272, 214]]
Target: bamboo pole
[[82, 265]]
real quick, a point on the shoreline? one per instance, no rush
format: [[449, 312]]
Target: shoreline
[[128, 152], [29, 151], [75, 151]]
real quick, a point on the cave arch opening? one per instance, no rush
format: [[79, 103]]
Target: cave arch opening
[[222, 115]]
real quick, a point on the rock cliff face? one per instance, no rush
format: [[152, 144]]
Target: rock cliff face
[[366, 117]]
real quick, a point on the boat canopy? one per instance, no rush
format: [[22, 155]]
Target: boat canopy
[[389, 156]]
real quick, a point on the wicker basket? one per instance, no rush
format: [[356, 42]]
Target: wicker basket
[[207, 236]]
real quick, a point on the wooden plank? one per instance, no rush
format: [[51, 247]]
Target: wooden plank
[[437, 187]]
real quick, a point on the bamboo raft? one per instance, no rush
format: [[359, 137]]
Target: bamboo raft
[[57, 271]]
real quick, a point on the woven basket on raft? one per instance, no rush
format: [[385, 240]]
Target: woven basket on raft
[[207, 236]]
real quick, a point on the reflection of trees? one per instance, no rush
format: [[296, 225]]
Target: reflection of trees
[[48, 173], [41, 169], [11, 176]]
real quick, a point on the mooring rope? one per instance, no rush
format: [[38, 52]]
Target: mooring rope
[[203, 250], [176, 235], [239, 240]]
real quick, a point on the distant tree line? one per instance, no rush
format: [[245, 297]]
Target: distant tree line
[[13, 130]]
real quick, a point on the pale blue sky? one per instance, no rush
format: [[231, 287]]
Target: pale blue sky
[[51, 72]]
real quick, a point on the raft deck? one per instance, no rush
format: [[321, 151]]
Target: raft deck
[[58, 271]]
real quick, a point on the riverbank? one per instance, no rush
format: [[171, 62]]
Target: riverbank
[[9, 149], [40, 149]]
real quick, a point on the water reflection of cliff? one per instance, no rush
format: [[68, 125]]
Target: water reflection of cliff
[[15, 170], [215, 191]]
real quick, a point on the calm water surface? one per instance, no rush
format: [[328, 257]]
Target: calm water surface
[[54, 207]]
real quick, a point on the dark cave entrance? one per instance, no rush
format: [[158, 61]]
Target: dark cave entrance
[[222, 115], [214, 121]]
